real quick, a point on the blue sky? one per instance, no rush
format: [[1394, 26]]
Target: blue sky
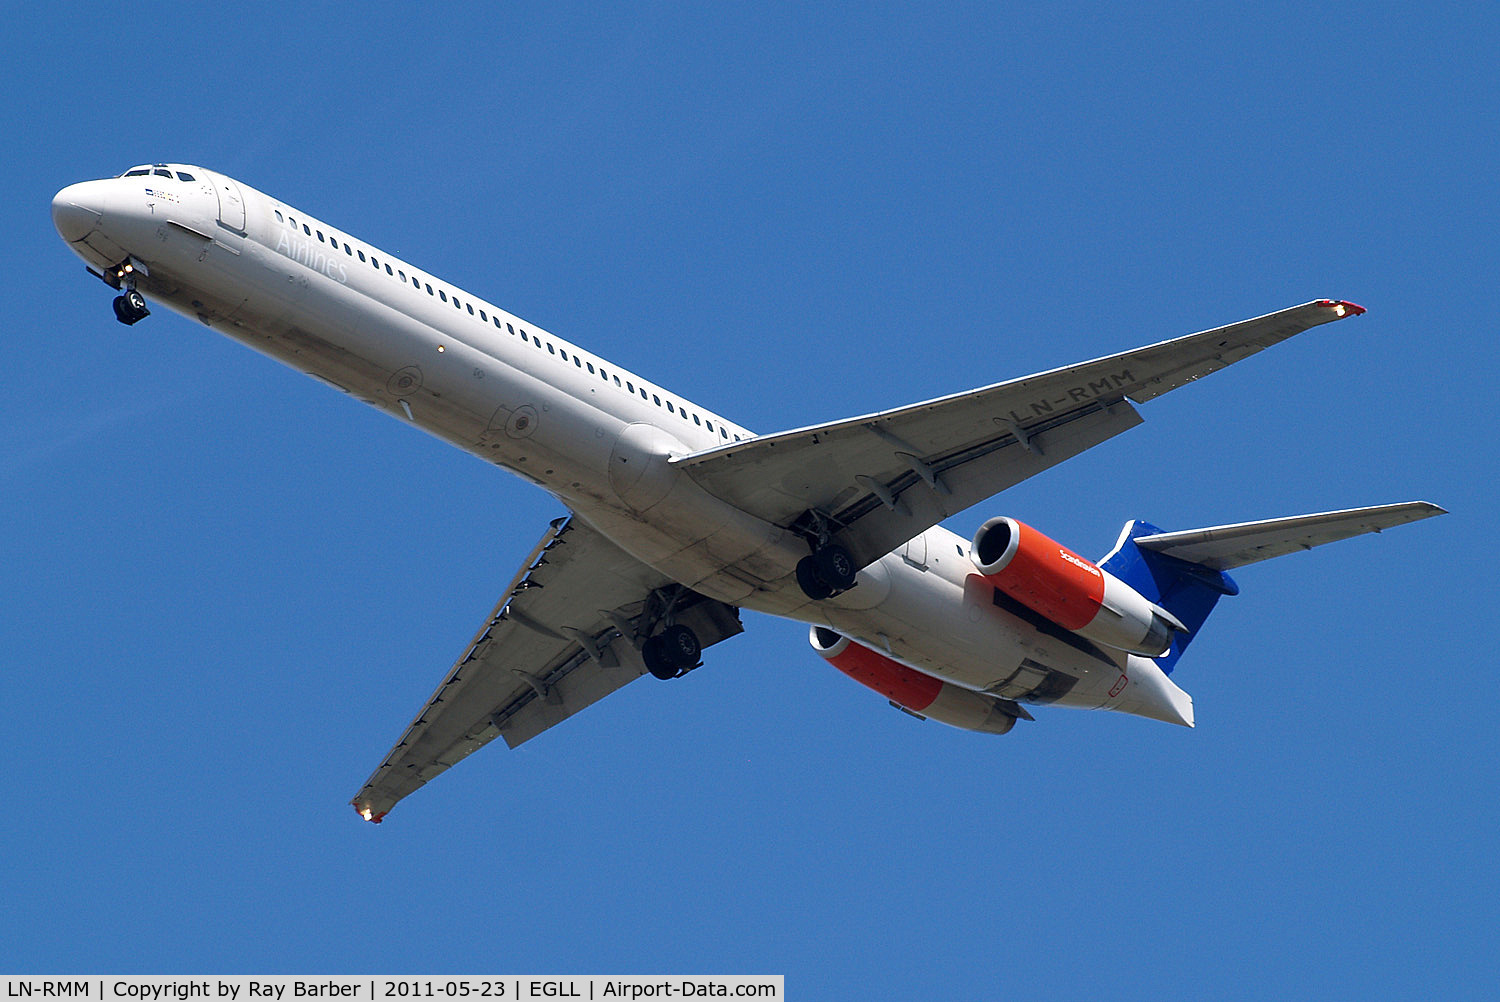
[[228, 588]]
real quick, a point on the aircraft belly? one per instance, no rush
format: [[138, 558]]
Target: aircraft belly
[[930, 614]]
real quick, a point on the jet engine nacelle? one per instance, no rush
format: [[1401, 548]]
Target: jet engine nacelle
[[920, 693], [1071, 591]]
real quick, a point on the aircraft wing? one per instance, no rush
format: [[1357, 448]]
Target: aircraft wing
[[564, 635], [1225, 547], [878, 480]]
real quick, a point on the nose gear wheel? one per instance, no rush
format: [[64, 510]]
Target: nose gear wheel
[[130, 307]]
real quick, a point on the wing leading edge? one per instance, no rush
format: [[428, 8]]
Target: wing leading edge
[[878, 480], [565, 634]]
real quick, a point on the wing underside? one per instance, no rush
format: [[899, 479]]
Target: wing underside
[[1225, 547], [565, 634], [876, 481]]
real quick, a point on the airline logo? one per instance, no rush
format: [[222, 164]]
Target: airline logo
[[1078, 561], [305, 253]]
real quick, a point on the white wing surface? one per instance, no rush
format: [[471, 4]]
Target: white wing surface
[[564, 635], [878, 480]]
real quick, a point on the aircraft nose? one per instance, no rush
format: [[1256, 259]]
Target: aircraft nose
[[72, 214]]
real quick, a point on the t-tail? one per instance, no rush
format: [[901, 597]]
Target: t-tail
[[1184, 572]]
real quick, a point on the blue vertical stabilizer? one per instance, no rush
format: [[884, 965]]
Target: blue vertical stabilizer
[[1188, 591]]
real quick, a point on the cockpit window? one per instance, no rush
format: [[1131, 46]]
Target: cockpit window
[[160, 170]]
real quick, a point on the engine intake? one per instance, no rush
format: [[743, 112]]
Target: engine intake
[[1072, 591]]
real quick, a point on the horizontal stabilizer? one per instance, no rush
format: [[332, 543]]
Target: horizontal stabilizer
[[1223, 547]]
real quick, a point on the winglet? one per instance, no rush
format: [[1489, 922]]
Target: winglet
[[1342, 307], [369, 815]]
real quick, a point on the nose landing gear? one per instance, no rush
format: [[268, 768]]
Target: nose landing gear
[[130, 305], [130, 308]]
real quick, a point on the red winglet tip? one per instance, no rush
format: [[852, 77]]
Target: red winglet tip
[[365, 813], [1343, 306]]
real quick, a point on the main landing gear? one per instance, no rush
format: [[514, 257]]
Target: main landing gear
[[673, 652], [826, 572]]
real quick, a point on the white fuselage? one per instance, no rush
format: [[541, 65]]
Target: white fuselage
[[591, 433]]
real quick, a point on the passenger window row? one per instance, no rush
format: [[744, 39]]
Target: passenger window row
[[484, 317]]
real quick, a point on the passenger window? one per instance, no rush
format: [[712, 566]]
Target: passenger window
[[374, 262], [536, 340], [551, 350], [443, 295], [429, 289], [578, 361], [307, 229], [279, 217], [510, 328], [723, 433], [320, 237], [348, 250], [333, 243], [591, 368], [657, 399], [497, 325], [695, 420], [617, 380], [388, 270], [483, 317], [471, 309], [361, 255], [401, 274], [669, 408]]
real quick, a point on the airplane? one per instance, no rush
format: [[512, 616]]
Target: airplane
[[678, 518]]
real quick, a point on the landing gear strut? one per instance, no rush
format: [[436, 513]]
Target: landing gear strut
[[827, 571], [130, 305], [672, 653]]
